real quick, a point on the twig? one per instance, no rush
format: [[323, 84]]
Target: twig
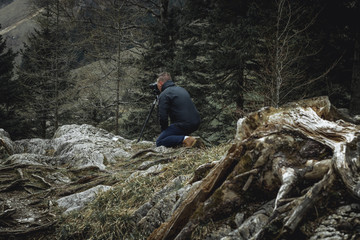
[[252, 171], [248, 182], [42, 179], [20, 173], [141, 152]]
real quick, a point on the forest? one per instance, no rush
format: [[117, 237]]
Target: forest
[[91, 61]]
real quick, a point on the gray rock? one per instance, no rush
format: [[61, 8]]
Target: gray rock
[[6, 142], [79, 200], [85, 145], [34, 146], [29, 158], [78, 146], [343, 224]]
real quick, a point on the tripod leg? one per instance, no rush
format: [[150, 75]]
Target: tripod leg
[[147, 118]]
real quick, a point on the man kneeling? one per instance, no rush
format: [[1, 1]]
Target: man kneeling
[[175, 102]]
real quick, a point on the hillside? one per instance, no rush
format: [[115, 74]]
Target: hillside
[[16, 19]]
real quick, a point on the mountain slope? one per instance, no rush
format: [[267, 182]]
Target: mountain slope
[[16, 19]]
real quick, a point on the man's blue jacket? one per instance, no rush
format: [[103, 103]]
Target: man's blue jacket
[[175, 102]]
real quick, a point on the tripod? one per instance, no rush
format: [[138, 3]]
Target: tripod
[[147, 119]]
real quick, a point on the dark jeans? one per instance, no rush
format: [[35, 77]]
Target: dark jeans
[[170, 137]]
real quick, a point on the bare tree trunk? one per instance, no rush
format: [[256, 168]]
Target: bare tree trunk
[[355, 84], [279, 55], [56, 110], [164, 10], [118, 82], [283, 69]]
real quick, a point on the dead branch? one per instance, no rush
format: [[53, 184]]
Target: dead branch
[[42, 180]]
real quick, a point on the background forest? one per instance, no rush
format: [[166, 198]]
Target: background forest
[[91, 61]]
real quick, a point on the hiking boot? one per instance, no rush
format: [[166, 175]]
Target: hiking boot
[[189, 142]]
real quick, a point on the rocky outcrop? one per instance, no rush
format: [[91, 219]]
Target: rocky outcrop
[[40, 177], [78, 146]]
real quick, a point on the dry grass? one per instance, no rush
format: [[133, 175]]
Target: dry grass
[[110, 215]]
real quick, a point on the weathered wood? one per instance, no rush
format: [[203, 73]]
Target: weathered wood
[[288, 179], [251, 172], [308, 201], [171, 228], [202, 171], [248, 182], [347, 164]]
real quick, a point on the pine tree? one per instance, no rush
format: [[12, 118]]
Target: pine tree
[[8, 86], [46, 60], [10, 90], [155, 41], [354, 10], [355, 84]]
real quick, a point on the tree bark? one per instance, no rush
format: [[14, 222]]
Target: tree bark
[[355, 83]]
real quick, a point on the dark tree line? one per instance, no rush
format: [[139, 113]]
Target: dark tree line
[[92, 61], [9, 89]]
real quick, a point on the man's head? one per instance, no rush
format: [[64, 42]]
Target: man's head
[[162, 78]]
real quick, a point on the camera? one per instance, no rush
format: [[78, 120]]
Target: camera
[[154, 88]]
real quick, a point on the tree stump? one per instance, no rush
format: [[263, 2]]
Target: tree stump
[[291, 156]]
